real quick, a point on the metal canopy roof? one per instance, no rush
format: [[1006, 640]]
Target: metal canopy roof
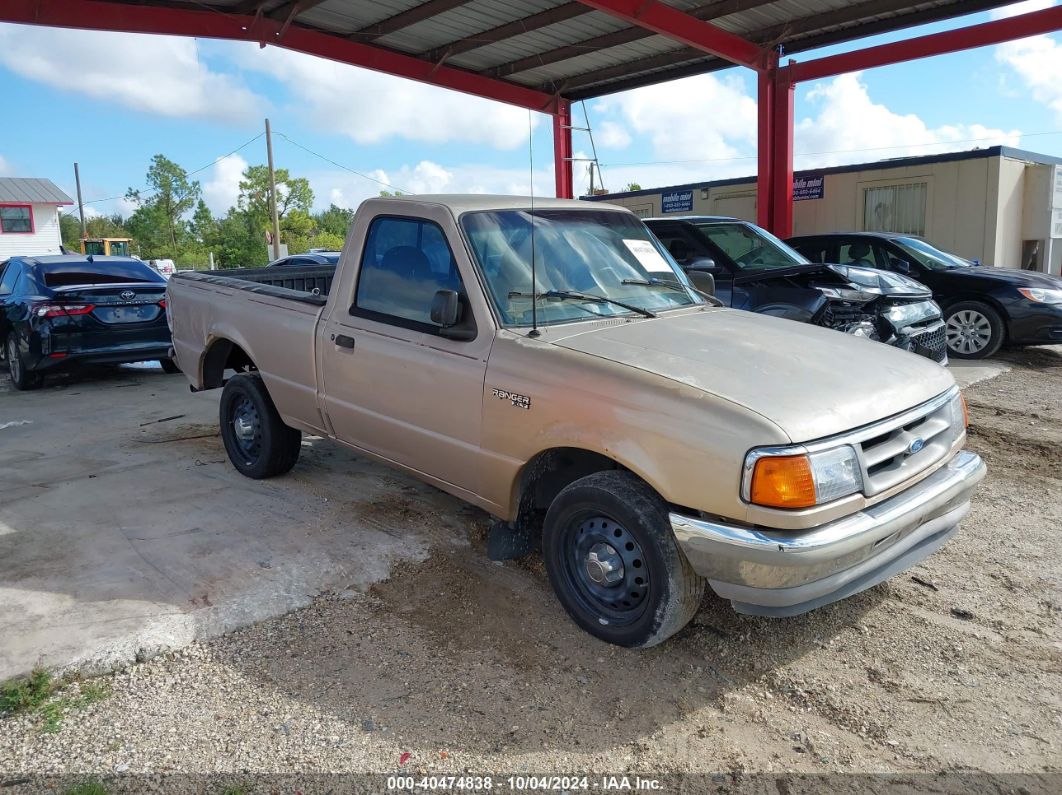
[[568, 48]]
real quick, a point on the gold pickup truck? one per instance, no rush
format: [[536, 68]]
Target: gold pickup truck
[[550, 363]]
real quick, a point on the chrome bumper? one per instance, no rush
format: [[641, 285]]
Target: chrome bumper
[[785, 573]]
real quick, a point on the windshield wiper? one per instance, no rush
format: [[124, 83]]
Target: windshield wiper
[[654, 282], [575, 296]]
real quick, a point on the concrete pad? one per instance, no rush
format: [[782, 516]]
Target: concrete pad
[[968, 372], [124, 531]]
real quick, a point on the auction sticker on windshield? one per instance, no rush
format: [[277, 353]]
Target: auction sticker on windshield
[[647, 255]]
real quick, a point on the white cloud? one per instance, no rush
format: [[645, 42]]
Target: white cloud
[[612, 135], [850, 127], [704, 117], [223, 187], [371, 107], [1016, 9], [5, 169], [154, 74], [348, 190]]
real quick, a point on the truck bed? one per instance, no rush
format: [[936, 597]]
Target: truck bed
[[309, 284]]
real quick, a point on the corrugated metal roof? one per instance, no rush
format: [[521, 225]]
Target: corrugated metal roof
[[31, 191], [565, 47]]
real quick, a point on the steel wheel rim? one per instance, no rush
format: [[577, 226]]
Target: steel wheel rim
[[247, 429], [968, 331], [14, 366], [605, 565]]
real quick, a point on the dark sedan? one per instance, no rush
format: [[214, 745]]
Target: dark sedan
[[984, 307], [58, 312], [310, 258]]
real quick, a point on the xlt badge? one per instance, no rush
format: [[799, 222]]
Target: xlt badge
[[520, 401]]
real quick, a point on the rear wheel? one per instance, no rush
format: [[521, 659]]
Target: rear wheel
[[258, 442], [16, 367], [973, 330], [169, 366], [614, 563]]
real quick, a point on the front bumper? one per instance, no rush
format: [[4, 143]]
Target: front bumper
[[786, 573]]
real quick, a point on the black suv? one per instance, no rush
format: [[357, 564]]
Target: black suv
[[984, 307], [57, 312]]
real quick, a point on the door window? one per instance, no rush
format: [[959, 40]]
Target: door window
[[404, 263], [858, 252]]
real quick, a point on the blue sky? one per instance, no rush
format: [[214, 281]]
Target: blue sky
[[111, 101]]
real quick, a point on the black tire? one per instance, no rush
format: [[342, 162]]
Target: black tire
[[658, 592], [169, 366], [973, 330], [21, 379], [263, 446]]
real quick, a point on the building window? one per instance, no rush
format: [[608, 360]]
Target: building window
[[896, 208], [16, 219]]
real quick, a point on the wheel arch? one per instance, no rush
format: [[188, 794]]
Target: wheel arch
[[220, 355], [549, 471]]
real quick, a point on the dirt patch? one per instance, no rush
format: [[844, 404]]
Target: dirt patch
[[457, 664]]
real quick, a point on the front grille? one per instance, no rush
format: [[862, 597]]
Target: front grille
[[931, 343], [885, 448]]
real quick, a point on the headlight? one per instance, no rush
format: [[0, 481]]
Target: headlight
[[1042, 295], [794, 478], [845, 294]]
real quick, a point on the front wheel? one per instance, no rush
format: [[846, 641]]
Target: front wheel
[[21, 378], [614, 563], [973, 330], [258, 442]]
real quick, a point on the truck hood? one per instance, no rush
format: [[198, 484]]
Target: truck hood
[[809, 381]]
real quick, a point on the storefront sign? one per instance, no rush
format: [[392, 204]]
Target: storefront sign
[[679, 201], [808, 188]]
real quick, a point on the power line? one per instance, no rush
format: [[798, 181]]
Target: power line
[[340, 165], [189, 173], [829, 152]]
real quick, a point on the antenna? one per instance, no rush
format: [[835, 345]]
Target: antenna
[[534, 332]]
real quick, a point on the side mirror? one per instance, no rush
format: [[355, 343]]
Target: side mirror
[[446, 312], [902, 266], [445, 308], [703, 281], [706, 264]]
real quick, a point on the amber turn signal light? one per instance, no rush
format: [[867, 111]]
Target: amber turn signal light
[[783, 482], [965, 411]]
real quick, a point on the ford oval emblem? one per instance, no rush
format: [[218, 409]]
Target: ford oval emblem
[[915, 446], [127, 295]]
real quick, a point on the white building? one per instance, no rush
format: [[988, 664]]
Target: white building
[[29, 216]]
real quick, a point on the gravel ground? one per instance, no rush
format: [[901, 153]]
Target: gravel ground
[[458, 665]]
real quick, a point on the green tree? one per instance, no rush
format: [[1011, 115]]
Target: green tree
[[171, 195], [293, 193], [70, 231], [633, 186], [204, 227], [333, 221]]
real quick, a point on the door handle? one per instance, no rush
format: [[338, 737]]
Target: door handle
[[343, 341]]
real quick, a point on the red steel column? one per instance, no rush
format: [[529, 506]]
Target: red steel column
[[782, 153], [764, 148], [562, 148]]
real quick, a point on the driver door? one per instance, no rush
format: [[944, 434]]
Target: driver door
[[393, 384]]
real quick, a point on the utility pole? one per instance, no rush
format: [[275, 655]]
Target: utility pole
[[273, 193], [80, 204]]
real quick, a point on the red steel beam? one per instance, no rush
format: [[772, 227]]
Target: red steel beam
[[562, 149], [167, 20], [983, 35], [781, 195], [684, 28], [764, 149]]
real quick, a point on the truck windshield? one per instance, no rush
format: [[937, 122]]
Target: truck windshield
[[751, 248], [587, 263]]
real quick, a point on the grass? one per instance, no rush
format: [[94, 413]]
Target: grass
[[86, 788], [40, 693]]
